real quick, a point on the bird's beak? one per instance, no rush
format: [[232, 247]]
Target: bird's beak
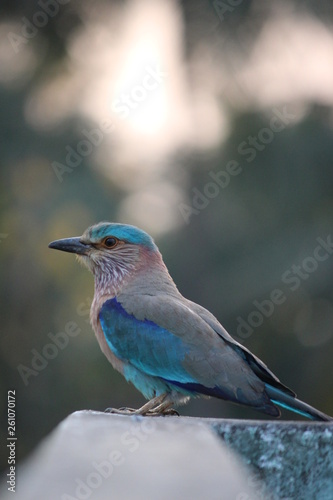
[[73, 245]]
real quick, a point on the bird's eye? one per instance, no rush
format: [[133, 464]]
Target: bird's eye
[[110, 242]]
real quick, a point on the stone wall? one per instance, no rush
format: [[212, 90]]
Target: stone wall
[[97, 456]]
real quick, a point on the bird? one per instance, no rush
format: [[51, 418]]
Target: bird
[[170, 348]]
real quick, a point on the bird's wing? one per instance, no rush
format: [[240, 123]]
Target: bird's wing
[[152, 349], [261, 370], [163, 337]]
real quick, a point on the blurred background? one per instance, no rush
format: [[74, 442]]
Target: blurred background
[[210, 125]]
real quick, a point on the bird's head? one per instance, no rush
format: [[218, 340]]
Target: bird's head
[[111, 251]]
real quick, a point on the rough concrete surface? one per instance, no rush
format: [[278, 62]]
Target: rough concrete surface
[[97, 456], [100, 456], [293, 459]]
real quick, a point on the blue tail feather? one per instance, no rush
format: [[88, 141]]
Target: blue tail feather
[[293, 404], [290, 408]]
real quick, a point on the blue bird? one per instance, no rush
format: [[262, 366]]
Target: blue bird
[[170, 348]]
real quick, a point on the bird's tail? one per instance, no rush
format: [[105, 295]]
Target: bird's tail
[[291, 403]]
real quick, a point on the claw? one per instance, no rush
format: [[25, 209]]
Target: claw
[[156, 407], [165, 413], [120, 411], [170, 412], [148, 413]]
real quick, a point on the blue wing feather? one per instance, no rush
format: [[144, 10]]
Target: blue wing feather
[[148, 347]]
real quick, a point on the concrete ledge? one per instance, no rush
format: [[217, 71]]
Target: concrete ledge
[[93, 455], [293, 459]]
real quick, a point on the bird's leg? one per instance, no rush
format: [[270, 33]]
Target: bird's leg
[[151, 405], [163, 409], [145, 409], [120, 411], [154, 407]]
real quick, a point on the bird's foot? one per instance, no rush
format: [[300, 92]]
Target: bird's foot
[[166, 413], [120, 411], [156, 407], [169, 412], [149, 413]]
